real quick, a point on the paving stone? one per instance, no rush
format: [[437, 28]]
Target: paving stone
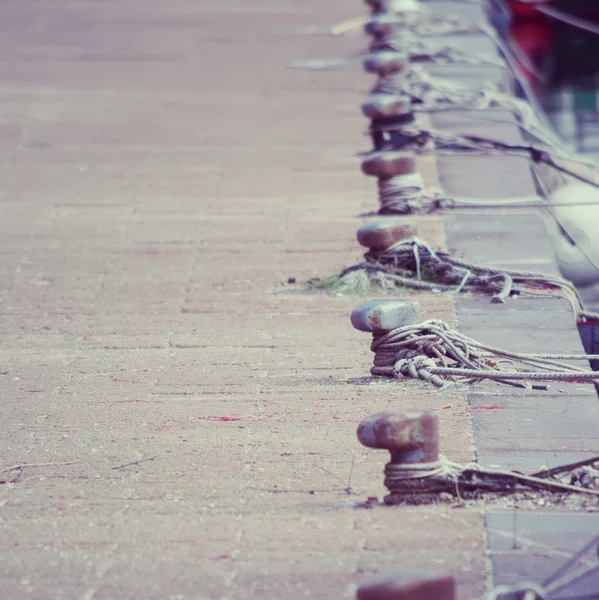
[[538, 544]]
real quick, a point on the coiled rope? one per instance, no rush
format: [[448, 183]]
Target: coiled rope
[[420, 51], [431, 351], [433, 94], [406, 194], [444, 475], [414, 264], [428, 25]]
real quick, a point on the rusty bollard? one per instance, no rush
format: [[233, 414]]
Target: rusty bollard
[[397, 179], [413, 585], [383, 25], [392, 6], [379, 317], [386, 62], [380, 6], [389, 116], [414, 474], [386, 165], [380, 235]]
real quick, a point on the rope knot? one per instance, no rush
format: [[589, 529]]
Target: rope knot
[[440, 267], [417, 367], [432, 352]]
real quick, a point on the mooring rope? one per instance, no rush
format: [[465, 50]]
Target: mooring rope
[[422, 141], [431, 94], [420, 51], [406, 194], [414, 264], [404, 478], [431, 351]]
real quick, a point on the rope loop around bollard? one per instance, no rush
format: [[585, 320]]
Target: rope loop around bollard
[[414, 264], [405, 194], [447, 476], [431, 351]]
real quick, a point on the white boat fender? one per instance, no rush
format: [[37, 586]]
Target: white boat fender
[[576, 238]]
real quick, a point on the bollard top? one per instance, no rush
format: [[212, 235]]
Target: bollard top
[[381, 106], [382, 24], [380, 316], [380, 235], [389, 164], [385, 62], [412, 436], [408, 585]]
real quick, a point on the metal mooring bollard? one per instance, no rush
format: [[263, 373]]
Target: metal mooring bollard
[[392, 6], [382, 316], [380, 235], [382, 26], [413, 476], [388, 106], [389, 115], [380, 6], [398, 181], [386, 165], [413, 585], [386, 62]]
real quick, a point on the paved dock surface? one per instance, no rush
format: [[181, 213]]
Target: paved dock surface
[[183, 410]]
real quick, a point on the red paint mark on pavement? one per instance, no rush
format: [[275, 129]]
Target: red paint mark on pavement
[[121, 401], [217, 418], [172, 426], [488, 407]]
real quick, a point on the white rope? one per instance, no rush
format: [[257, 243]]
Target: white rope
[[399, 477], [424, 141], [419, 50], [433, 94], [433, 352], [444, 272], [428, 25], [405, 194]]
